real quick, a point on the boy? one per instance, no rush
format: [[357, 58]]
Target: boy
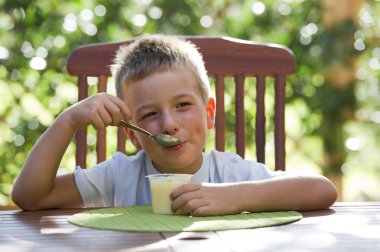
[[162, 87]]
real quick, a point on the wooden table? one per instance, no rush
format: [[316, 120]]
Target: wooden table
[[344, 227]]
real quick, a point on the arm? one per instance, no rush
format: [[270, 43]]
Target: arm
[[282, 193], [37, 186]]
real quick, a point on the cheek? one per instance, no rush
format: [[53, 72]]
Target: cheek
[[152, 126], [198, 122], [146, 143]]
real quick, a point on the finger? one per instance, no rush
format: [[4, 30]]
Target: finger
[[184, 197], [124, 110], [105, 116], [184, 189], [97, 122], [115, 113], [203, 211], [193, 205]]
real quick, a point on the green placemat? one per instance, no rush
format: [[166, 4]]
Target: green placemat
[[141, 219]]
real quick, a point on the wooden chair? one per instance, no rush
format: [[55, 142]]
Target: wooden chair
[[224, 57]]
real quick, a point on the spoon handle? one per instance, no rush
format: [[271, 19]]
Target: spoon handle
[[131, 126]]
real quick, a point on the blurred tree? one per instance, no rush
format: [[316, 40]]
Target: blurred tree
[[37, 36], [339, 18]]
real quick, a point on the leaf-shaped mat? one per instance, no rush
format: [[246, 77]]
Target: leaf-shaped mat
[[141, 219]]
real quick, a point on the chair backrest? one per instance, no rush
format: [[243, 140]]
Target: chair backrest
[[224, 57]]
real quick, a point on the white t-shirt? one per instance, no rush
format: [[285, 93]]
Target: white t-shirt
[[121, 181]]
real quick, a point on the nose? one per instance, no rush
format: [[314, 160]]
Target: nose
[[169, 123]]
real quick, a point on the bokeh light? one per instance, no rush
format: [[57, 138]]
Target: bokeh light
[[4, 53], [70, 23], [86, 15], [139, 20], [206, 21], [59, 41], [258, 8], [155, 12], [100, 10], [38, 63]]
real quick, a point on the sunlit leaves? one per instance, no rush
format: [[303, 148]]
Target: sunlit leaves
[[33, 108]]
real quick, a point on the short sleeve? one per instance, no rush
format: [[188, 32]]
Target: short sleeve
[[95, 184]]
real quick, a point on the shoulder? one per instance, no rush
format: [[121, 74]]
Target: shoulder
[[225, 158], [120, 158], [233, 168], [119, 161]]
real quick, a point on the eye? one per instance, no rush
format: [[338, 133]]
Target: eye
[[149, 114], [183, 104]]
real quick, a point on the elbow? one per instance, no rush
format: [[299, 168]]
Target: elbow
[[20, 200], [17, 200], [321, 194], [326, 193], [331, 193], [25, 205]]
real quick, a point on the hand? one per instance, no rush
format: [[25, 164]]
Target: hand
[[100, 110], [206, 199]]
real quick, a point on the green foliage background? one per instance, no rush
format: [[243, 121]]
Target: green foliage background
[[321, 118]]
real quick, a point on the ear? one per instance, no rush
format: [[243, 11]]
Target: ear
[[132, 136], [210, 113]]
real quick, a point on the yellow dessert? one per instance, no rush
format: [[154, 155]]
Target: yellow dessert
[[161, 186]]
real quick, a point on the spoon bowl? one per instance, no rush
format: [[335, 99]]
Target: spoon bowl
[[162, 139]]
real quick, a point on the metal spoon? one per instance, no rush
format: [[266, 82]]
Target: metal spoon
[[162, 139]]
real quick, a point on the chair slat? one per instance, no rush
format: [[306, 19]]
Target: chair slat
[[239, 115], [81, 135], [260, 119], [101, 134], [121, 138], [220, 117], [279, 122]]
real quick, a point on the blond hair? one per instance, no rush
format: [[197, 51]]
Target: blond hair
[[156, 53]]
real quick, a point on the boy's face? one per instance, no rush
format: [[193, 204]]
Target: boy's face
[[170, 103]]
